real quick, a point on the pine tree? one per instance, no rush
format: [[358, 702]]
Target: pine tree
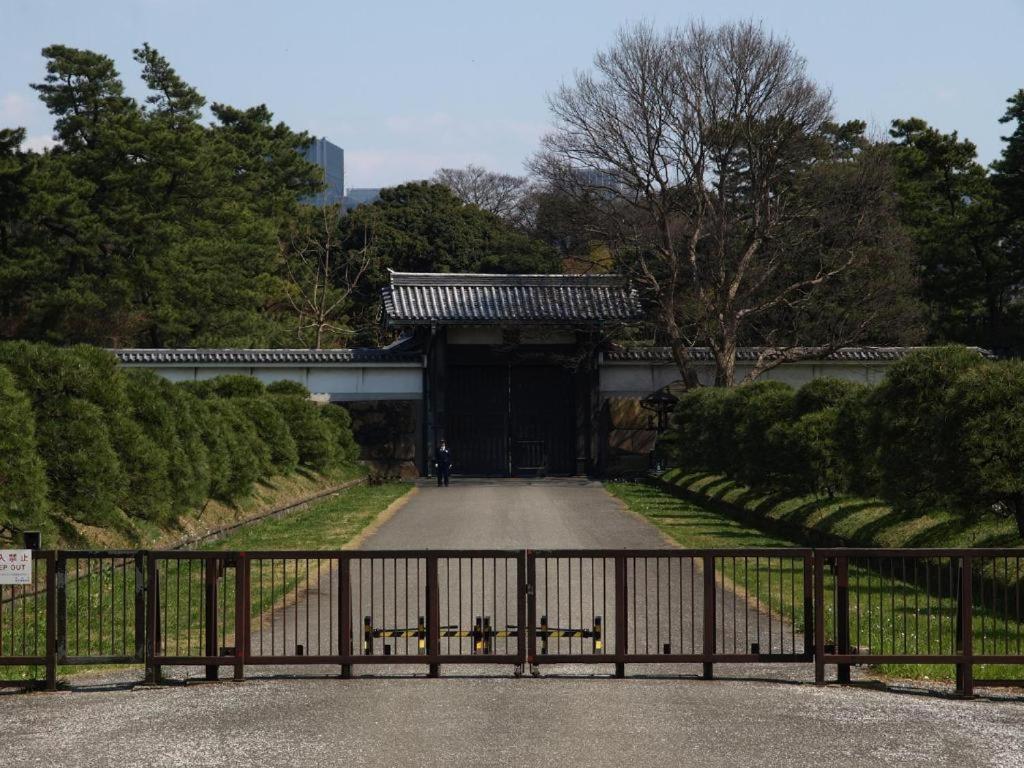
[[952, 210]]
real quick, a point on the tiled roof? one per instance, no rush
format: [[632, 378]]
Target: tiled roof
[[262, 356], [423, 298], [749, 354]]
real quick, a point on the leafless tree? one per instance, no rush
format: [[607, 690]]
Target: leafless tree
[[705, 155], [322, 276], [502, 194]]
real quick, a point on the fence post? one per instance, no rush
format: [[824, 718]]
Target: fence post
[[152, 621], [709, 615], [62, 606], [241, 613], [809, 604], [819, 618], [621, 616], [210, 610], [433, 617], [842, 619], [524, 598], [345, 613], [965, 613], [140, 605], [51, 621]]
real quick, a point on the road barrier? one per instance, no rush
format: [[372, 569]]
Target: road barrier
[[526, 608]]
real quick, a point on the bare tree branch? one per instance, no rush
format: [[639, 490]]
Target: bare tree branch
[[704, 156], [322, 276]]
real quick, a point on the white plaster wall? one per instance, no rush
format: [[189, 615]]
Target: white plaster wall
[[638, 379], [394, 381], [351, 382], [176, 374], [211, 373], [270, 375], [335, 379]]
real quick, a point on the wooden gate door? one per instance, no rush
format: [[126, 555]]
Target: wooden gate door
[[477, 415], [543, 421]]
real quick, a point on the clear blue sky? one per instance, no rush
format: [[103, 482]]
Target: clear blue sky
[[407, 87]]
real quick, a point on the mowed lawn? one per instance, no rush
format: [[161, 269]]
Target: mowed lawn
[[891, 609], [100, 602]]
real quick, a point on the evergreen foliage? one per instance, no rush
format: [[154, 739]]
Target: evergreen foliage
[[986, 403], [316, 438], [166, 416], [760, 406], [284, 387], [425, 227], [347, 450], [911, 426], [944, 429], [247, 457], [86, 477], [86, 440], [963, 224], [23, 490], [273, 431], [143, 226]]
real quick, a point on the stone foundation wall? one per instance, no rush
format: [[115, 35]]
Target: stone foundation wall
[[387, 435]]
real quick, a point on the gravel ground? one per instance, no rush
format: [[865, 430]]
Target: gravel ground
[[483, 715]]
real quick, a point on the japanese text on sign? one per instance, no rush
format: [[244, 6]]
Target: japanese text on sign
[[15, 566]]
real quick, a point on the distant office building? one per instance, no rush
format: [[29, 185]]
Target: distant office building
[[331, 159], [361, 196], [600, 181]]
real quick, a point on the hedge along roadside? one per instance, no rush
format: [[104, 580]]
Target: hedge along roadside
[[944, 430], [120, 445]]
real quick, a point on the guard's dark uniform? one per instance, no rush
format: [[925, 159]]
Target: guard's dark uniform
[[444, 465]]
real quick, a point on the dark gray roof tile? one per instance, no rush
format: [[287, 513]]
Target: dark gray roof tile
[[422, 298], [750, 354], [262, 356]]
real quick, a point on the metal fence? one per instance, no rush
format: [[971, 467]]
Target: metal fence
[[525, 608], [921, 606]]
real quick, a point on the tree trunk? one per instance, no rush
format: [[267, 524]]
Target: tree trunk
[[679, 352], [725, 361]]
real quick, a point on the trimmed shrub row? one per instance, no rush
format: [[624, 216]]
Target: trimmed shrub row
[[83, 439], [944, 429]]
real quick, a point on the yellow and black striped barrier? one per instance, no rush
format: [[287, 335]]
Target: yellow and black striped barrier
[[482, 634]]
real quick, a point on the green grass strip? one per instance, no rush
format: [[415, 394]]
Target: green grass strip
[[891, 605], [324, 525]]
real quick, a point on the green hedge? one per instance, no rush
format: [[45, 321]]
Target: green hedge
[[83, 439], [23, 489], [944, 429]]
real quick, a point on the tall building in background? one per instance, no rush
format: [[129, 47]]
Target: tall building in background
[[361, 196], [331, 159]]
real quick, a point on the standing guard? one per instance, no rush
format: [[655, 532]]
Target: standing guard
[[443, 464]]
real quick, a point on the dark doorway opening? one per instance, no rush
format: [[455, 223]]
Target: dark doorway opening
[[477, 410], [543, 421], [517, 420]]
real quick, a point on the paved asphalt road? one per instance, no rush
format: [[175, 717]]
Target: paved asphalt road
[[485, 717]]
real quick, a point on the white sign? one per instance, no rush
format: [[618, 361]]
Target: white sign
[[15, 566]]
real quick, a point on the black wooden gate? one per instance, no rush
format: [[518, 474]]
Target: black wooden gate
[[542, 421], [477, 409], [509, 419]]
